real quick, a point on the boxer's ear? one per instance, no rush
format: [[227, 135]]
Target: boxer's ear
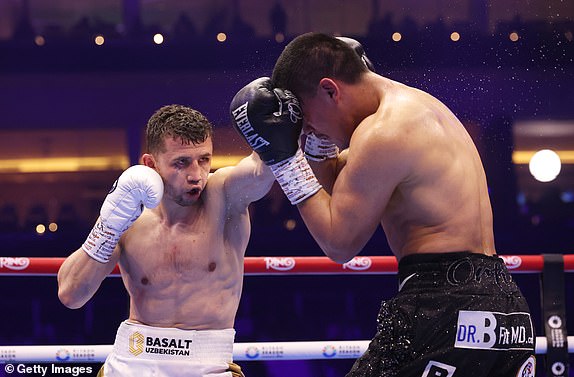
[[148, 160], [329, 88]]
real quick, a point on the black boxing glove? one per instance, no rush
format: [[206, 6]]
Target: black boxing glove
[[358, 47], [270, 120]]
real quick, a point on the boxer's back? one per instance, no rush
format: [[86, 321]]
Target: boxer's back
[[442, 204]]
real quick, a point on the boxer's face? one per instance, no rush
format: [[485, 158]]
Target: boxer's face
[[184, 169], [322, 117], [328, 112]]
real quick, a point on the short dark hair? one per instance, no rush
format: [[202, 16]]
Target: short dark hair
[[179, 122], [312, 56]]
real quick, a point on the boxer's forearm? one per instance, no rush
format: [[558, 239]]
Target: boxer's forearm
[[328, 229], [80, 277], [328, 170], [326, 173]]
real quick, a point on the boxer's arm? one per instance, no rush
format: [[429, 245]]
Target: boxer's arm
[[270, 120], [80, 277], [342, 223], [328, 170], [82, 273], [246, 182]]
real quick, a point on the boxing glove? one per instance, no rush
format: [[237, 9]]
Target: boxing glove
[[137, 186], [358, 47], [270, 120]]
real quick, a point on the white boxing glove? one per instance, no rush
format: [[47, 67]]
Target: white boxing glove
[[137, 187], [319, 148]]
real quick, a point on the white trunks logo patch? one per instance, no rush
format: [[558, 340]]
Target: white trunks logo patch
[[495, 331], [436, 369], [136, 343], [528, 369]]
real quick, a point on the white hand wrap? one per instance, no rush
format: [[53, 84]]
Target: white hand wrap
[[138, 186], [319, 148], [296, 178]]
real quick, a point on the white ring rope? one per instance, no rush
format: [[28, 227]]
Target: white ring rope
[[316, 350]]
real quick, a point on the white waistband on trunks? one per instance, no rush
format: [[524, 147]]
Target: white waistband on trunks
[[144, 342]]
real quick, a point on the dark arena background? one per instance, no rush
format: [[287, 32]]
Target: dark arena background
[[80, 78]]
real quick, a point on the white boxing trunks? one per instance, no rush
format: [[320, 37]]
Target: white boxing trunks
[[141, 351]]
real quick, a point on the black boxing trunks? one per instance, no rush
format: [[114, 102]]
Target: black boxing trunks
[[456, 315]]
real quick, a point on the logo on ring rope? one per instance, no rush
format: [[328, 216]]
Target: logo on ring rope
[[252, 353], [358, 264], [62, 354], [512, 261], [15, 264], [136, 343], [329, 351], [279, 264]]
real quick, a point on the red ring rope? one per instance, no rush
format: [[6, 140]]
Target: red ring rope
[[285, 265]]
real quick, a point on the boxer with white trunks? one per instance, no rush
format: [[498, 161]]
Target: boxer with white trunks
[[179, 234]]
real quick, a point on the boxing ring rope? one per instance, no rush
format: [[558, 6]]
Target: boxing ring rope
[[315, 350], [311, 350], [376, 265]]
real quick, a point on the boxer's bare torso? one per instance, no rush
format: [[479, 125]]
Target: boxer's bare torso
[[187, 274], [410, 167], [181, 262]]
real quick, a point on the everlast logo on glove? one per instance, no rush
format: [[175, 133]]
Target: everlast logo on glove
[[240, 115]]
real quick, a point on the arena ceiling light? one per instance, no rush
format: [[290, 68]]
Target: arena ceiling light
[[99, 40], [455, 36], [545, 165], [158, 39]]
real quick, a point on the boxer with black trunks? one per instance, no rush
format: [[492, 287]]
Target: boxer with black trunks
[[181, 258], [378, 152], [456, 311]]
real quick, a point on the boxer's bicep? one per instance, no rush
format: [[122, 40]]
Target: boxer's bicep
[[248, 181]]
